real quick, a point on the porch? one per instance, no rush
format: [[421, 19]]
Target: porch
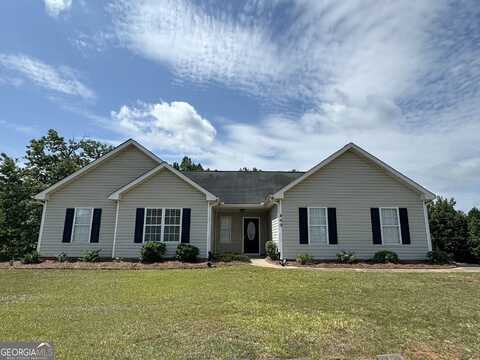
[[242, 230]]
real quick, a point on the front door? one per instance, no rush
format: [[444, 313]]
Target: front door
[[251, 235]]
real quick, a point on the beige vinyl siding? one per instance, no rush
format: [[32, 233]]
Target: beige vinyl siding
[[236, 244], [352, 185], [91, 190], [162, 190]]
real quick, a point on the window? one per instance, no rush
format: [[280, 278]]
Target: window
[[82, 225], [153, 224], [172, 225], [390, 223], [225, 229], [162, 225], [318, 225]]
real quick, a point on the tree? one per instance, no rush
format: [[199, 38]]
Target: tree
[[91, 150], [51, 158], [449, 229], [187, 165], [48, 160], [18, 213], [473, 219]]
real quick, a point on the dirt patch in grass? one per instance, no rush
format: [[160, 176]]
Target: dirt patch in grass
[[112, 265], [443, 351]]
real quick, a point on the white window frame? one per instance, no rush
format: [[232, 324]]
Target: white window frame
[[229, 241], [89, 228], [397, 209], [325, 226], [162, 225]]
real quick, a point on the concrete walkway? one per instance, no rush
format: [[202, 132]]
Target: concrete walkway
[[267, 264]]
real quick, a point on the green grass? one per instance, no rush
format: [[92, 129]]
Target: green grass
[[242, 312]]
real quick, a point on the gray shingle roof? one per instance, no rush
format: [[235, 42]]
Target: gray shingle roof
[[242, 187]]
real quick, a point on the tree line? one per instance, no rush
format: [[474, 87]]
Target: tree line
[[51, 158], [453, 231]]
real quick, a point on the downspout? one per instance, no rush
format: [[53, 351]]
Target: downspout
[[42, 222], [280, 225], [427, 226], [209, 228], [115, 232]]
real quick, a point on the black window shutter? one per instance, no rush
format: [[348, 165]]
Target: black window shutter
[[67, 227], [139, 219], [303, 225], [332, 226], [186, 225], [404, 227], [95, 232], [376, 231]]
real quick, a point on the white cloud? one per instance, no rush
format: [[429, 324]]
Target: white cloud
[[323, 50], [399, 78], [199, 46], [432, 156], [171, 127], [55, 7], [61, 79], [427, 155]]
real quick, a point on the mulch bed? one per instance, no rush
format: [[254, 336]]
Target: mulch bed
[[113, 265], [368, 265]]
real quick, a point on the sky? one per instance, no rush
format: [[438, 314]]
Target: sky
[[277, 85]]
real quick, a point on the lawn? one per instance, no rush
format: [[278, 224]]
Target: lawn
[[243, 312]]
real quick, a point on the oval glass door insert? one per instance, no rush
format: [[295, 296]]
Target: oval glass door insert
[[251, 230]]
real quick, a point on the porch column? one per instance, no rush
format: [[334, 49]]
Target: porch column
[[280, 229]]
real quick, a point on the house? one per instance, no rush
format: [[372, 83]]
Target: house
[[349, 201]]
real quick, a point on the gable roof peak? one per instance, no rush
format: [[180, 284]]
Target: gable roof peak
[[426, 194], [44, 194], [116, 195]]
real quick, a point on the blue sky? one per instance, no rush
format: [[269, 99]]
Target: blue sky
[[269, 84]]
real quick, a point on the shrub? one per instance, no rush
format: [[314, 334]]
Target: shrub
[[62, 257], [31, 258], [385, 256], [438, 257], [91, 255], [272, 250], [304, 259], [346, 257], [187, 253], [229, 257], [152, 251]]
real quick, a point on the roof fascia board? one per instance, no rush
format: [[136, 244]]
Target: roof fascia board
[[208, 194], [44, 194], [244, 206]]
